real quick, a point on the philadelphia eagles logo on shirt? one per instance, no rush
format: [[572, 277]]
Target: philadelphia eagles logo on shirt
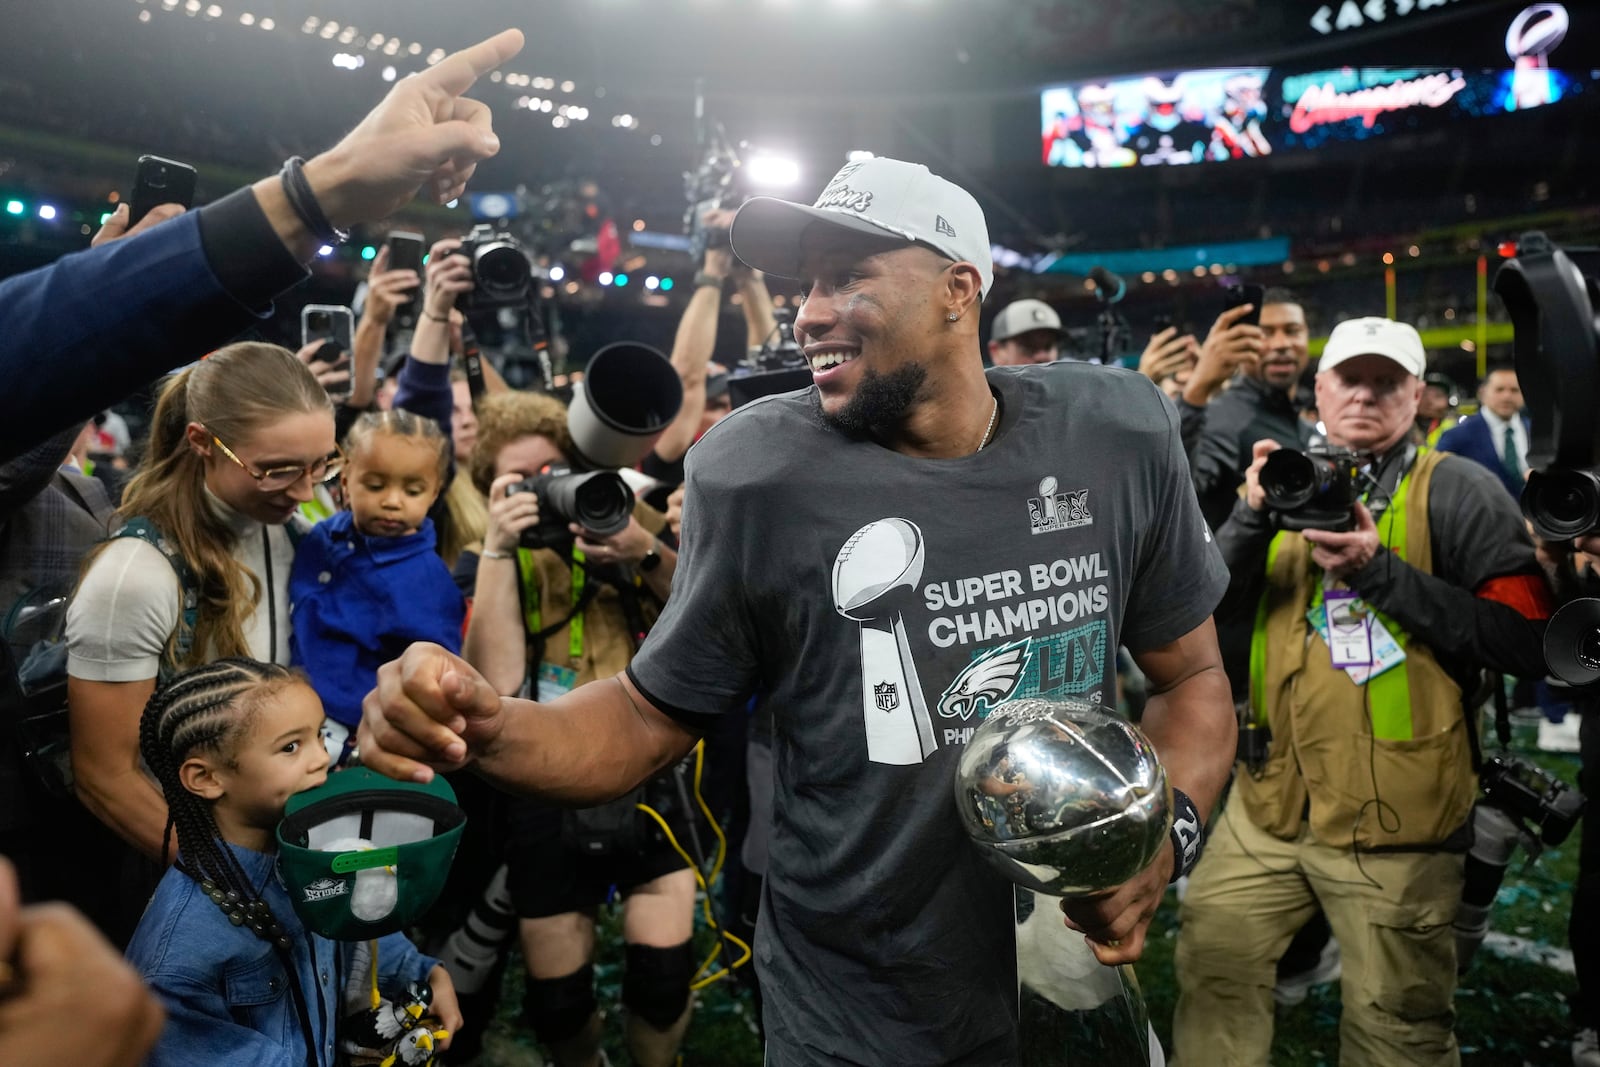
[[988, 681]]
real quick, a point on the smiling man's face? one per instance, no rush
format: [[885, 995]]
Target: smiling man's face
[[870, 323], [1287, 343]]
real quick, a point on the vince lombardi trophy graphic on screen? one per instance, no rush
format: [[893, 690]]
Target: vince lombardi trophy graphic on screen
[[879, 565]]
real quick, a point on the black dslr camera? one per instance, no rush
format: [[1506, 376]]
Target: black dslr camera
[[502, 273], [1525, 792], [1521, 805], [599, 501], [1313, 490], [716, 183]]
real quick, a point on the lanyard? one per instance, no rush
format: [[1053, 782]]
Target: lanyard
[[532, 615]]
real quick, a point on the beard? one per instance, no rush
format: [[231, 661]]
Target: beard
[[880, 402]]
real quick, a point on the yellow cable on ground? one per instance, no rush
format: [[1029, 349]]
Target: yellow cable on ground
[[722, 854]]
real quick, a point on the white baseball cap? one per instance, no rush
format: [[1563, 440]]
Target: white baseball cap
[[875, 196], [1023, 316], [1397, 341]]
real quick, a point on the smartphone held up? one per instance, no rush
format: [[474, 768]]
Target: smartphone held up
[[1239, 295], [160, 181], [334, 326], [405, 253]]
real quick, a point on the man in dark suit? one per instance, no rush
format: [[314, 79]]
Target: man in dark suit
[[1497, 436]]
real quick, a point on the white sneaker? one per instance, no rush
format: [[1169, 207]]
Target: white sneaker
[[1586, 1048], [1293, 988]]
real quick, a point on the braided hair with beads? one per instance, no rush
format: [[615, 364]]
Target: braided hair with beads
[[209, 709]]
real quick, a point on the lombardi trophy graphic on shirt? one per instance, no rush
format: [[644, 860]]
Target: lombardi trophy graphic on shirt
[[878, 565]]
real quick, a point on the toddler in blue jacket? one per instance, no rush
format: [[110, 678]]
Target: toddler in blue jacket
[[367, 582]]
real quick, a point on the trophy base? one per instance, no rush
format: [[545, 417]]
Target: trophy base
[[1072, 1008]]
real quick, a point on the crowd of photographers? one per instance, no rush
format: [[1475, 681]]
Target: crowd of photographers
[[430, 500]]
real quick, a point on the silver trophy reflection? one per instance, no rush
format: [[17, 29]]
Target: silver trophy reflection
[[1066, 800], [880, 563]]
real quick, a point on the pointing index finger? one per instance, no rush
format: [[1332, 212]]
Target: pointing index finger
[[456, 72]]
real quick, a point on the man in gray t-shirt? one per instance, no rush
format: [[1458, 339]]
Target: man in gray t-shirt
[[887, 556]]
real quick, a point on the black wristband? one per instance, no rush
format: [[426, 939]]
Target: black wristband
[[702, 280], [652, 558], [1187, 834], [304, 203]]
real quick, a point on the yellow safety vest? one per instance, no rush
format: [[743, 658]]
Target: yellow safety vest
[[1382, 765]]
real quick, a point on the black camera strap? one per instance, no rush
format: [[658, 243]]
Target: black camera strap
[[1502, 711], [473, 360]]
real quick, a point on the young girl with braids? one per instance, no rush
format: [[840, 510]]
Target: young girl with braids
[[242, 981], [367, 582]]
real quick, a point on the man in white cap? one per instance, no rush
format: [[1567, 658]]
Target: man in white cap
[[857, 553], [1359, 797], [1025, 332]]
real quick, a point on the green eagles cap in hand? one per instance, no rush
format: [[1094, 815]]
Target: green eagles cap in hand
[[364, 855]]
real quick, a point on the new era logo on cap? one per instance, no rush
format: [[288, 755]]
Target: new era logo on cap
[[874, 196]]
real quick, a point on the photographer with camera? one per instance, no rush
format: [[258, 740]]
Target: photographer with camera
[[1381, 581], [556, 606]]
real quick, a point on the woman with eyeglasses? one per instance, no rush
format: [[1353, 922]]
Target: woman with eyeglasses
[[199, 569]]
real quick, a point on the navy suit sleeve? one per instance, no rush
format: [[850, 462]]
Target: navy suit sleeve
[[79, 334], [424, 389], [1455, 439]]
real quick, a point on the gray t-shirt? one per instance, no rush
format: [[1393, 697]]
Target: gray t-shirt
[[884, 604]]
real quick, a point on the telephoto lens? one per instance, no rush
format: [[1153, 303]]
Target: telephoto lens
[[1572, 642], [1495, 836], [1294, 479], [1562, 503], [1313, 490], [501, 268], [600, 501]]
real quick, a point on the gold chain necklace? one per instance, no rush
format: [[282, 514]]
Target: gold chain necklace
[[994, 410]]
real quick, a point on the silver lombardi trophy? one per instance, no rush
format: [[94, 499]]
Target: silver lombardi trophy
[[1066, 800]]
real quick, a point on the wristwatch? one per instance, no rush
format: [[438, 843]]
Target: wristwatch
[[703, 280], [652, 558]]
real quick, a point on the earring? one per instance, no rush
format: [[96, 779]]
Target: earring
[[952, 317]]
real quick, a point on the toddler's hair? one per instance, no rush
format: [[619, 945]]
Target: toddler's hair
[[400, 423]]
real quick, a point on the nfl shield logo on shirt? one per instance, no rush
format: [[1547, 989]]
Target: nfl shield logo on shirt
[[887, 695]]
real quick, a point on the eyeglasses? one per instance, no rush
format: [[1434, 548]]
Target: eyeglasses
[[280, 478]]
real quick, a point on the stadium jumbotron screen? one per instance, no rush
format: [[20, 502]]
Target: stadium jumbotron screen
[[1200, 116]]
